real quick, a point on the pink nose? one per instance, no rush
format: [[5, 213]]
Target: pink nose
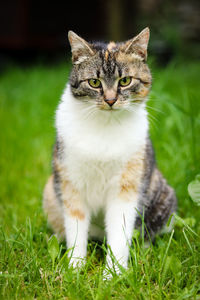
[[110, 102]]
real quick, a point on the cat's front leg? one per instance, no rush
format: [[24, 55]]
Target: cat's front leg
[[121, 212], [120, 218], [76, 229], [76, 221]]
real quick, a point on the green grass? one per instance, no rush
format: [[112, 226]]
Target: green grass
[[167, 270]]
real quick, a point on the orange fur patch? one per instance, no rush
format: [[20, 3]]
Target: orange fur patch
[[71, 197], [143, 92], [76, 213], [106, 55], [132, 175]]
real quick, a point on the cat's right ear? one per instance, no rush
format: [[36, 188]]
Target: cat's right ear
[[138, 45], [81, 50]]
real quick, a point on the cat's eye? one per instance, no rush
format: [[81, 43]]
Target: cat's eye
[[125, 81], [95, 83]]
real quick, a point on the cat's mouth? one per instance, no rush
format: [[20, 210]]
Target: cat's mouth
[[110, 109]]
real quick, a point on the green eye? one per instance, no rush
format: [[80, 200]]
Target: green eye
[[95, 83], [125, 81]]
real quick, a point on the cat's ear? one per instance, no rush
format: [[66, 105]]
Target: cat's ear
[[138, 45], [81, 49]]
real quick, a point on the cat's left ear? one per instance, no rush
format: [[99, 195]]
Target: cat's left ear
[[138, 45], [81, 50]]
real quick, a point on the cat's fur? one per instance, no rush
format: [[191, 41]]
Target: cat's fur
[[104, 171]]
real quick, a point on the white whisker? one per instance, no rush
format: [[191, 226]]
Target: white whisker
[[155, 109]]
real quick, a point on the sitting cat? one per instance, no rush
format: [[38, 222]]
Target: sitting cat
[[104, 172]]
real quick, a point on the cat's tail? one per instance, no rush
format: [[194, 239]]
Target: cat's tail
[[53, 209]]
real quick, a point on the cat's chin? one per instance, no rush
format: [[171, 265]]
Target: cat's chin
[[111, 109], [118, 111]]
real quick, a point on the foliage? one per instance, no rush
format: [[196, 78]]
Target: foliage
[[53, 248], [194, 189]]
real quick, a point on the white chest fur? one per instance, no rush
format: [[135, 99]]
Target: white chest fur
[[97, 145]]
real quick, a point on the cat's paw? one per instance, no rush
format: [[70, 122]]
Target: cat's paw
[[111, 270], [114, 266], [77, 262], [109, 273]]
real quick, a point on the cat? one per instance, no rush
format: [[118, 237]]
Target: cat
[[104, 172]]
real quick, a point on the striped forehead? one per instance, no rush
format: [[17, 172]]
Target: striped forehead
[[111, 47], [110, 67]]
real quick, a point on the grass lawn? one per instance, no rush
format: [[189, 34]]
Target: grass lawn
[[170, 269]]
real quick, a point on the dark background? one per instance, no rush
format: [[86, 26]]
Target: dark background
[[31, 28]]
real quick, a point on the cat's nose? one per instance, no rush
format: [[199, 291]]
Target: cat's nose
[[110, 102]]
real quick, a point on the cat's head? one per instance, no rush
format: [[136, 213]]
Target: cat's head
[[111, 76]]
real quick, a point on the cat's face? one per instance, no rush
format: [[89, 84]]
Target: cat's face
[[110, 76]]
